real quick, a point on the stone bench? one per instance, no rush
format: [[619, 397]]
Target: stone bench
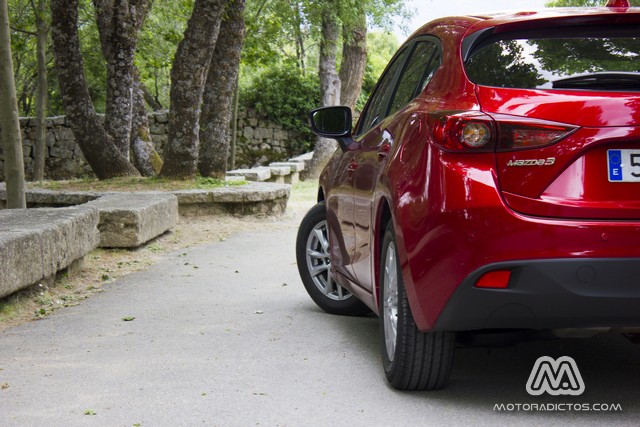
[[127, 220], [37, 243], [131, 219], [279, 172], [294, 168], [254, 198], [259, 174]]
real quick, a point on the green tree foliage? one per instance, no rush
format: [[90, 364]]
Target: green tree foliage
[[95, 69], [285, 34], [159, 38], [23, 44], [272, 29], [583, 3], [285, 96], [502, 64], [381, 46], [588, 55]]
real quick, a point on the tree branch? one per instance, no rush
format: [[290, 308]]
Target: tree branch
[[20, 30]]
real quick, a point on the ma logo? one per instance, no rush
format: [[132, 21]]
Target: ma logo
[[556, 377]]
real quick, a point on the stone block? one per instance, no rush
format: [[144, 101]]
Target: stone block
[[263, 133], [127, 220], [37, 243], [162, 118], [255, 174], [305, 159], [251, 199], [58, 120], [51, 138], [248, 132], [279, 170], [65, 134], [61, 153], [294, 166], [281, 134], [157, 129]]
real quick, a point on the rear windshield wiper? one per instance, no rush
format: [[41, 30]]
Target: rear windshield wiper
[[602, 81]]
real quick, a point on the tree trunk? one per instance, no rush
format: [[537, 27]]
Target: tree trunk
[[234, 125], [96, 144], [145, 158], [9, 121], [188, 75], [42, 93], [329, 85], [119, 22], [301, 52], [354, 58], [217, 103], [328, 72]]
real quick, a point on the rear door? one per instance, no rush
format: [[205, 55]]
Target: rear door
[[377, 144], [341, 202]]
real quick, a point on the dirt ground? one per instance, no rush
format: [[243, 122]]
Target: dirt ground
[[103, 266]]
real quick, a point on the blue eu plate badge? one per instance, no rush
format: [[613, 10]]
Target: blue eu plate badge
[[615, 165]]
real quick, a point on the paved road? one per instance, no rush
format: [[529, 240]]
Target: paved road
[[224, 335]]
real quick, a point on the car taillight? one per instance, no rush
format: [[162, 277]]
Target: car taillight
[[473, 131], [462, 131], [528, 133]]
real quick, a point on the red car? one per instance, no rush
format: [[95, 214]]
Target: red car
[[491, 185]]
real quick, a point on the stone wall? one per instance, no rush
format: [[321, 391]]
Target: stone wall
[[259, 142]]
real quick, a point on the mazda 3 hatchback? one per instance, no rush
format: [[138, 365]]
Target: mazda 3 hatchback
[[490, 185]]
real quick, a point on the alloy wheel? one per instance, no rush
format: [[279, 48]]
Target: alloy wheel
[[319, 264], [390, 302]]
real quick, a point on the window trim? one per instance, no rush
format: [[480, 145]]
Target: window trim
[[403, 51], [407, 50]]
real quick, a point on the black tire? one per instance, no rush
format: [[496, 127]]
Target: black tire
[[412, 360], [312, 255]]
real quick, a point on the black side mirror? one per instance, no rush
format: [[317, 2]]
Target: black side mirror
[[334, 123]]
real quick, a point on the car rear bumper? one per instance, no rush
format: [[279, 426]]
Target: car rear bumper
[[549, 294]]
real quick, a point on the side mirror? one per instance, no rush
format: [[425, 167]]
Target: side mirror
[[333, 123]]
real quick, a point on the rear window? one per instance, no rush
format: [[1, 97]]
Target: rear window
[[559, 59]]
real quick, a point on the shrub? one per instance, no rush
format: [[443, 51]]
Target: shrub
[[285, 96]]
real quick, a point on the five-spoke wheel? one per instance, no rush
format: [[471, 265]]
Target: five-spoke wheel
[[314, 266]]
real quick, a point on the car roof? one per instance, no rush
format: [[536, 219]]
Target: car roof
[[514, 19]]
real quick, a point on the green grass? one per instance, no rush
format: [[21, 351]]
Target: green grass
[[135, 184], [304, 191]]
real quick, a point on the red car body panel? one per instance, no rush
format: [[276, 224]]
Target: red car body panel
[[455, 213]]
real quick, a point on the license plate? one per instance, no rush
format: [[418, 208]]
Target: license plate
[[624, 165]]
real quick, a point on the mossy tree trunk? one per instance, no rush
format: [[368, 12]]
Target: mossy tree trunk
[[119, 23], [354, 56], [329, 82], [217, 104], [97, 145], [188, 76], [145, 157]]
